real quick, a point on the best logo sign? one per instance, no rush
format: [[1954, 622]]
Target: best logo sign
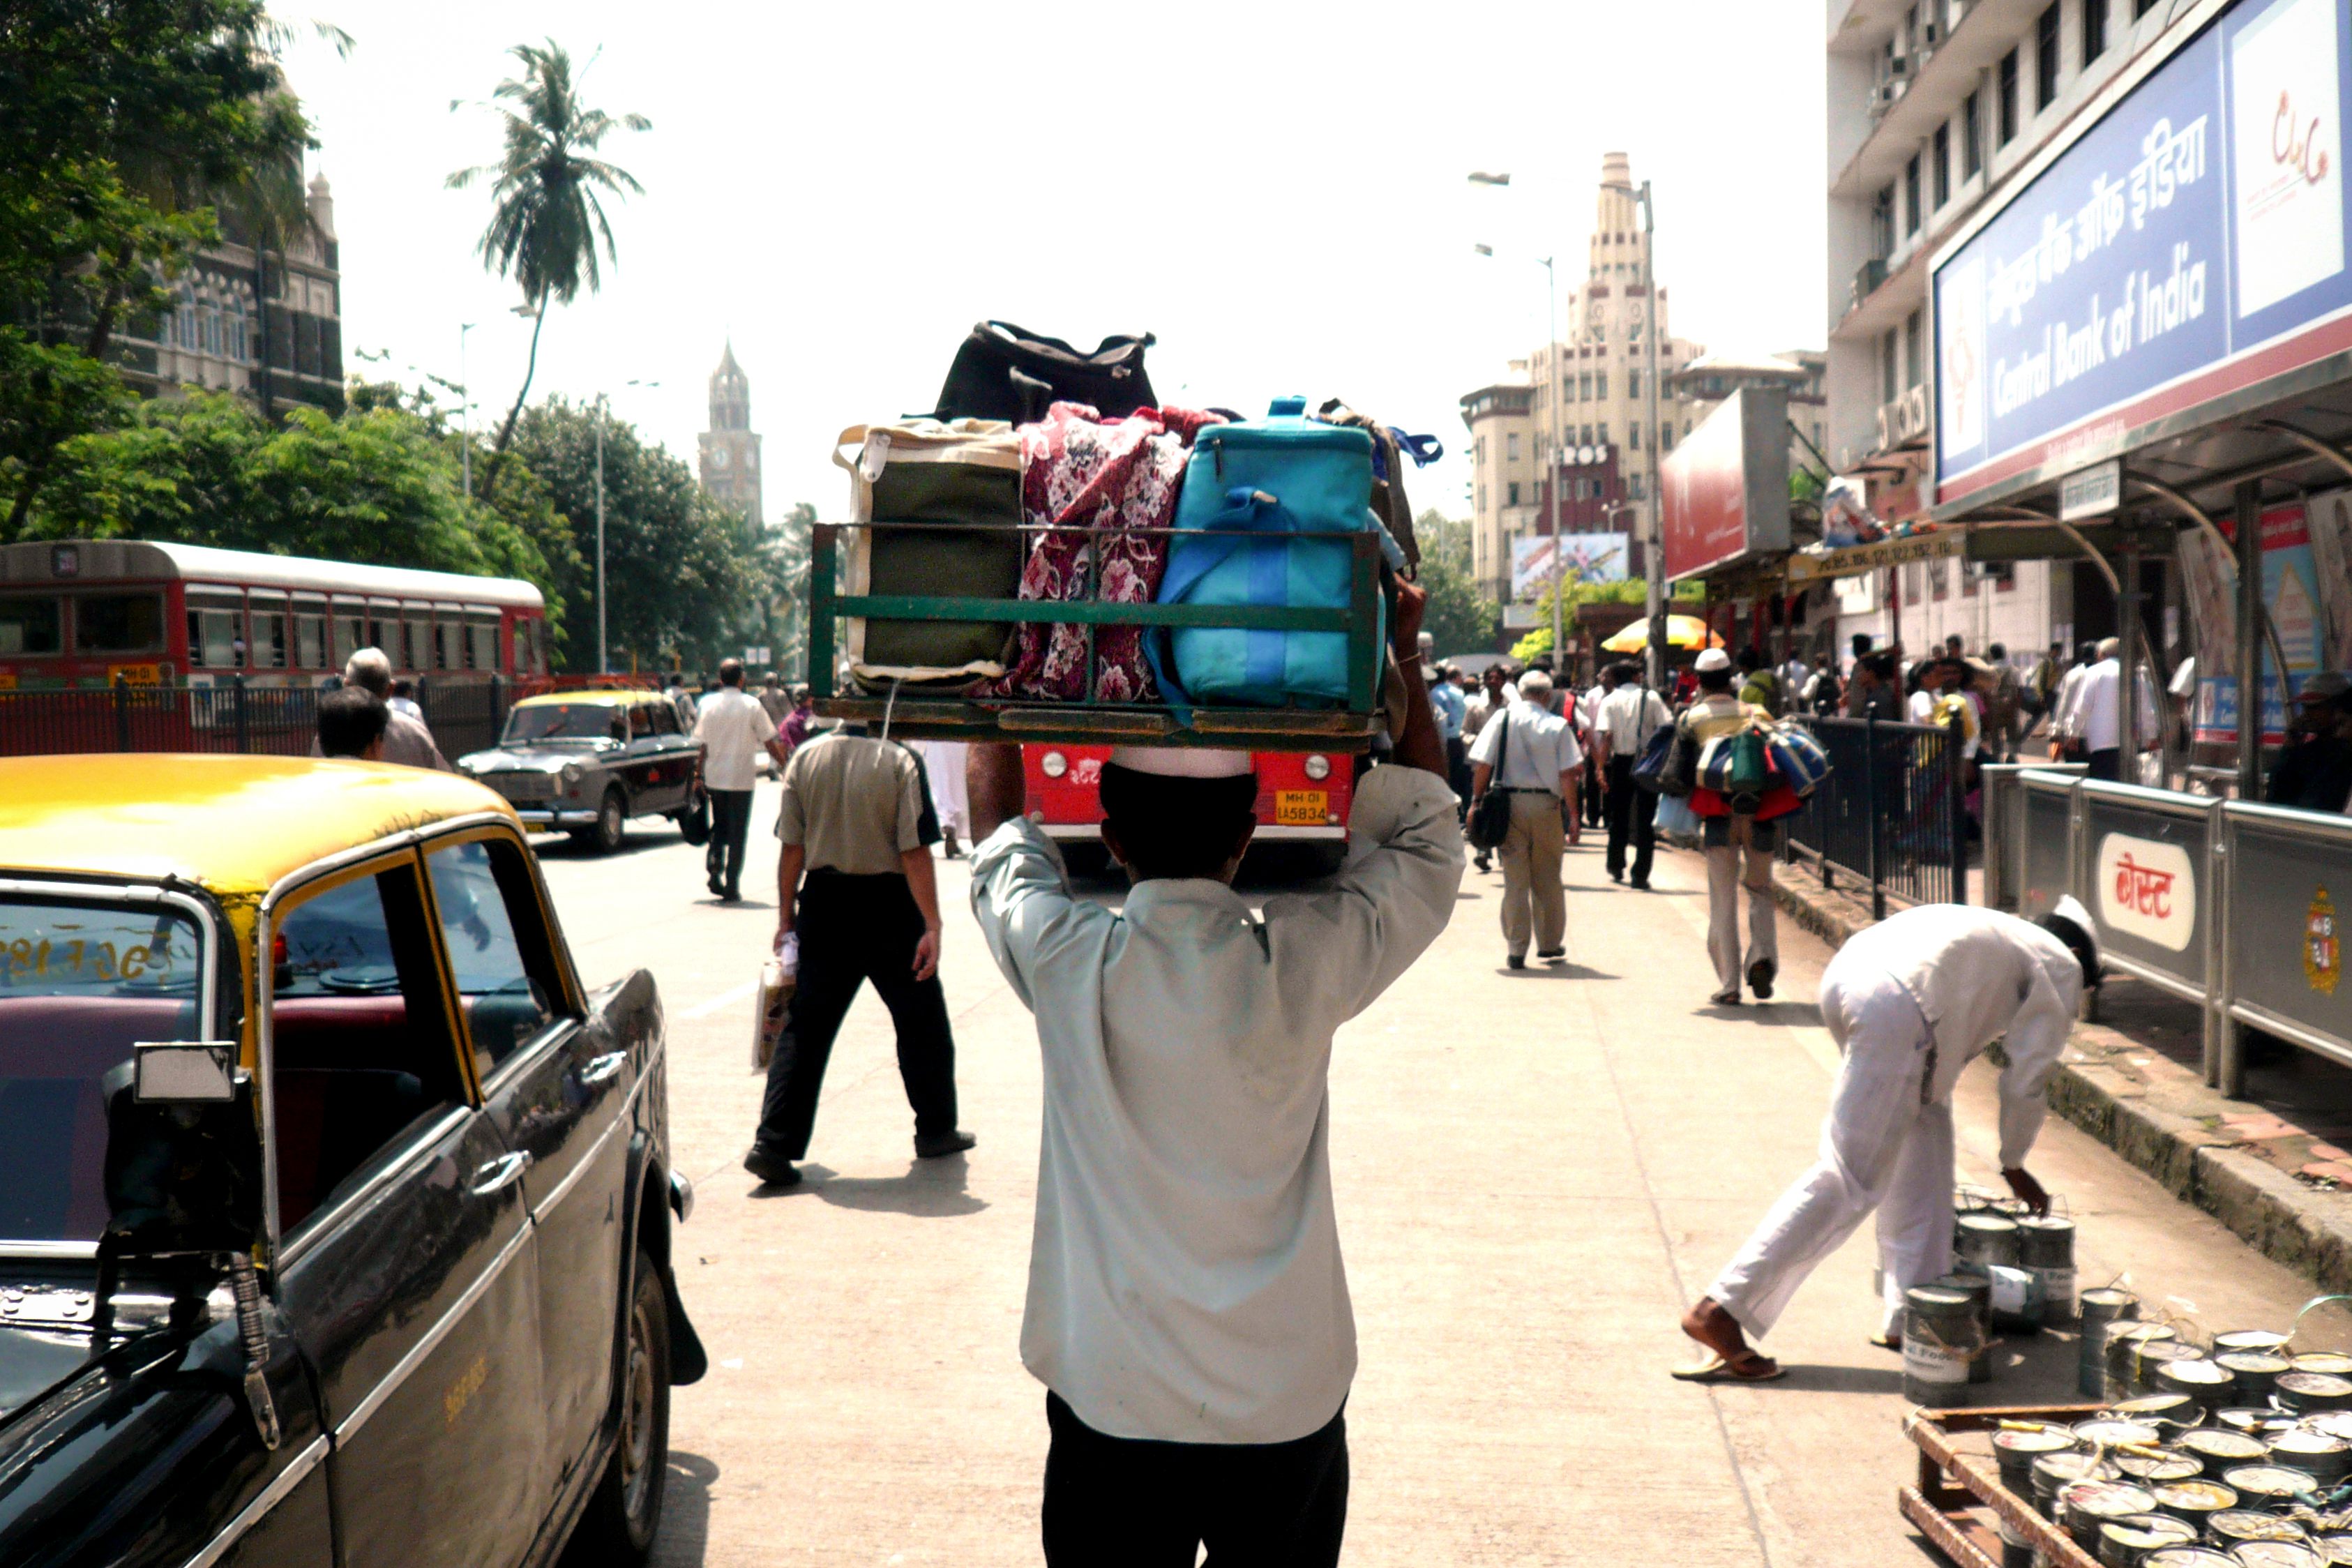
[[2148, 890]]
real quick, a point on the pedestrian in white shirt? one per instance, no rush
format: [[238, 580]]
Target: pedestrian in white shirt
[[1910, 1002], [1531, 755], [2090, 714], [1622, 727], [1187, 1311], [732, 729], [2062, 702]]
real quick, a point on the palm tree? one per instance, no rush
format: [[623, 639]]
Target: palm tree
[[545, 216]]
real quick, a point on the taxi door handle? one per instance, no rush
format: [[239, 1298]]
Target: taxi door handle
[[601, 1069], [503, 1171]]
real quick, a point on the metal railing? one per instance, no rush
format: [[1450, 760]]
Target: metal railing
[[235, 716], [1892, 814], [2227, 904]]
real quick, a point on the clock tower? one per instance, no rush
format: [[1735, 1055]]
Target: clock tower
[[730, 452]]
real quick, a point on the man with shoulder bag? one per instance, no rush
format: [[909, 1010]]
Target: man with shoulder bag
[[1739, 846], [1523, 773], [1622, 727]]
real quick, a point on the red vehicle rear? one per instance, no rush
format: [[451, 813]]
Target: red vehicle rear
[[1302, 808]]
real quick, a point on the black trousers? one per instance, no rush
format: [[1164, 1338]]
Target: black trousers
[[731, 821], [1633, 815], [1458, 775], [2107, 764], [1596, 810], [853, 929], [1130, 1502]]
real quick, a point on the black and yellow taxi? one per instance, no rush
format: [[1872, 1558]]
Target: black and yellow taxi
[[335, 1227], [584, 762]]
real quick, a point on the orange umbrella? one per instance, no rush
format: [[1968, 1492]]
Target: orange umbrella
[[1685, 632]]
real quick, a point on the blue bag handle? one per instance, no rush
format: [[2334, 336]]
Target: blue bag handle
[[1423, 450], [1245, 510]]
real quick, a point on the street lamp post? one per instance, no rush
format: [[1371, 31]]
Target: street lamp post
[[1653, 558]]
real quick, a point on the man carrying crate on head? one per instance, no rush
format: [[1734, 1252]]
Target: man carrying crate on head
[[1187, 1311]]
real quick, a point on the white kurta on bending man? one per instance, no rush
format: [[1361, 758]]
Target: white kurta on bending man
[[1910, 1002]]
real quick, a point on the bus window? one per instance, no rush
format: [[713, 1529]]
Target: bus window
[[30, 624], [349, 633], [522, 636], [446, 651], [213, 629], [309, 634], [481, 644], [416, 644], [384, 629], [269, 638], [119, 623]]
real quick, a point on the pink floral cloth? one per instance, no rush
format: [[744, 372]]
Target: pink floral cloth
[[1115, 482]]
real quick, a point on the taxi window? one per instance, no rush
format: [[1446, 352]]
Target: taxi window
[[362, 1050], [563, 721], [80, 984], [498, 946]]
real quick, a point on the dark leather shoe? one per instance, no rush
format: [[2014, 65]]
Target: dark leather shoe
[[1517, 960], [1641, 885], [1551, 955], [773, 1170], [946, 1143], [717, 888], [1761, 975]]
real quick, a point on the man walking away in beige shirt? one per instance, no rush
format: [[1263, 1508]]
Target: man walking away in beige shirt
[[733, 729], [868, 910], [1188, 1311], [1539, 766]]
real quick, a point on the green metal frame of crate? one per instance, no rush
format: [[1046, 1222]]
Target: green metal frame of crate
[[957, 718], [1951, 1482]]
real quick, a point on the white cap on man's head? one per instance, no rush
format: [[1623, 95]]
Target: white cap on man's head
[[1183, 762], [1712, 659]]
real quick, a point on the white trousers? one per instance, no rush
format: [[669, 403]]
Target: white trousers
[[1884, 1147]]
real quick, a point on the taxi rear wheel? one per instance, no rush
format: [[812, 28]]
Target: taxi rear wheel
[[624, 1512], [612, 820]]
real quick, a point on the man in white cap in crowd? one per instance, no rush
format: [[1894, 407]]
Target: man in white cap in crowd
[[1187, 1311], [1910, 1002], [1738, 847]]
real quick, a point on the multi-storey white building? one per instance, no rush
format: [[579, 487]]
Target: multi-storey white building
[[1934, 107]]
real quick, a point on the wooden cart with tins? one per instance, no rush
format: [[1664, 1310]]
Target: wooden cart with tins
[[1959, 1503], [915, 715]]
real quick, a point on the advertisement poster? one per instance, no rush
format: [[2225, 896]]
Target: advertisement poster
[[2291, 592], [1725, 488], [2190, 243], [1587, 557], [2331, 556]]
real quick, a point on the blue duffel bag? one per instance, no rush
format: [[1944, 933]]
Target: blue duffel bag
[[1799, 759], [1271, 480]]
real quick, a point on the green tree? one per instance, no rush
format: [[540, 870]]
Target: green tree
[[678, 568], [123, 122], [1460, 617], [377, 484], [546, 214]]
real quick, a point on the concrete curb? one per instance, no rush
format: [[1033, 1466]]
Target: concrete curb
[[2160, 1117]]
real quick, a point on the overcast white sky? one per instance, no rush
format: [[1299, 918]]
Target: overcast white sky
[[1275, 189]]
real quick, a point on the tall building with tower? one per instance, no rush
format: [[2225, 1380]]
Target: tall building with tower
[[730, 452]]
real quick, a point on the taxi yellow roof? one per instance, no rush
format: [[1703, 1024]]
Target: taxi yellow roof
[[232, 824], [603, 697]]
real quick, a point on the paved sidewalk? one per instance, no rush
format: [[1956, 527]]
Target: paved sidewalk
[[1535, 1172]]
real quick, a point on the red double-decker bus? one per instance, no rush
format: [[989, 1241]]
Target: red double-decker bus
[[79, 615]]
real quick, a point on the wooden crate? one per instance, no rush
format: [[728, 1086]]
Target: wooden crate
[[1089, 721], [1960, 1496]]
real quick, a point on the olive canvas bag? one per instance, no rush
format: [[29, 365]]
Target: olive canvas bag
[[962, 478]]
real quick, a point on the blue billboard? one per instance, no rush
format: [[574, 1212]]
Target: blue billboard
[[2190, 243]]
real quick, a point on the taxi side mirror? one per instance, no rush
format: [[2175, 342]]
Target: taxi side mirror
[[182, 1152], [184, 1072]]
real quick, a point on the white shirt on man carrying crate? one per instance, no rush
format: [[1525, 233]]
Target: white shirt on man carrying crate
[[1184, 1277]]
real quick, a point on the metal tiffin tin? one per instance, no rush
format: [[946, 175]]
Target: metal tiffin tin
[[1940, 1334], [2174, 1409], [1979, 1291], [2267, 1485], [2156, 1467], [2084, 1506], [2126, 1542], [2116, 1432], [2014, 1449], [1980, 1240], [2275, 1554], [2255, 1373], [2212, 1385], [2237, 1526], [2127, 1344], [2334, 1550], [2188, 1557], [2219, 1449], [2335, 1423], [2263, 1341], [2195, 1501], [2332, 1363], [2258, 1421], [2053, 1473], [2306, 1391], [2325, 1458], [2017, 1302], [2099, 1308], [2045, 1248]]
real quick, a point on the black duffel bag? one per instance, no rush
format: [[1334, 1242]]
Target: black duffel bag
[[1005, 372], [1490, 816]]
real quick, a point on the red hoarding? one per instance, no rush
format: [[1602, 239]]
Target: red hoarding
[[1726, 487]]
